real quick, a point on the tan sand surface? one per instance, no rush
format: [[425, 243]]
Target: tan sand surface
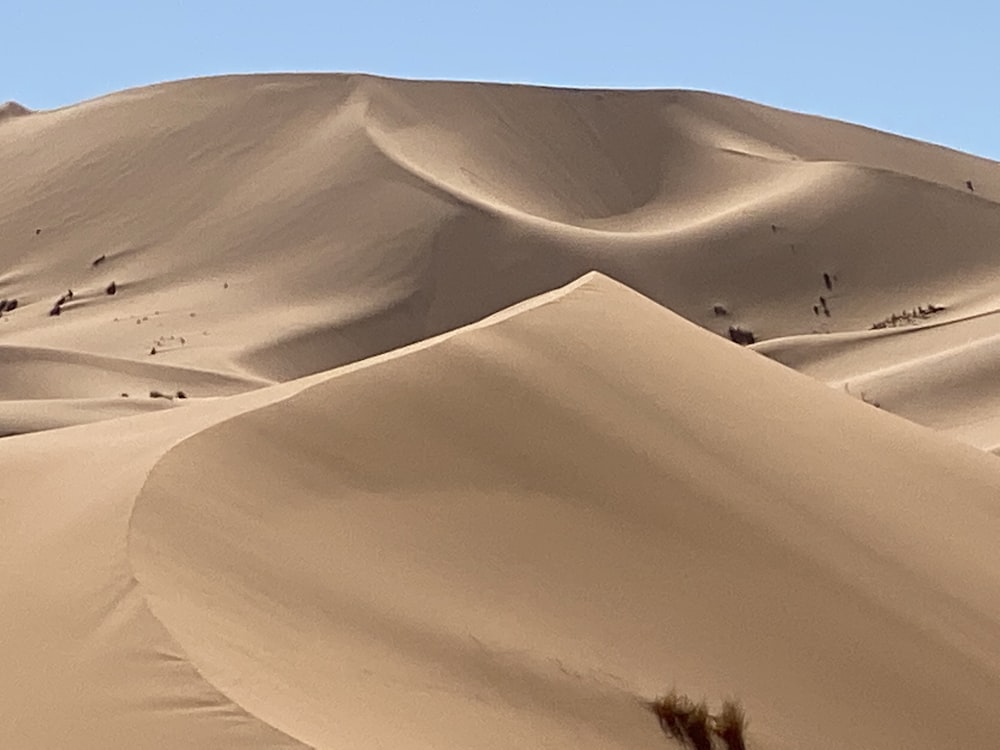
[[372, 521]]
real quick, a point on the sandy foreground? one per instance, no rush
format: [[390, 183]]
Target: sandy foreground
[[344, 412]]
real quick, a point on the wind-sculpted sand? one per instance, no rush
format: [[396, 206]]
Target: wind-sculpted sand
[[412, 419]]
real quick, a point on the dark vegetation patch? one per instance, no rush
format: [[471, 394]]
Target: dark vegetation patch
[[692, 725], [908, 317], [741, 335]]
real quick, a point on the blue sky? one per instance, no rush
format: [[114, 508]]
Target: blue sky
[[919, 68]]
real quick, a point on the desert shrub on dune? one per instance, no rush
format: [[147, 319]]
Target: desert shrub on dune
[[730, 725], [669, 709], [684, 720], [698, 727], [907, 317], [741, 335], [692, 725]]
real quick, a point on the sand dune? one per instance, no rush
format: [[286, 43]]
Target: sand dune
[[285, 225], [382, 517]]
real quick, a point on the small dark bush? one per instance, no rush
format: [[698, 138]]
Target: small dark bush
[[684, 720], [731, 725], [907, 317], [160, 394], [98, 260], [112, 288], [697, 726], [669, 710], [741, 335], [720, 310], [692, 725], [181, 394]]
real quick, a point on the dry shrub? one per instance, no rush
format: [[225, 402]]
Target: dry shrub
[[741, 335], [691, 723], [731, 724], [684, 720]]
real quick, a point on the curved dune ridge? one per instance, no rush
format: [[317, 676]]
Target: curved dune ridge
[[397, 467], [286, 224], [523, 529]]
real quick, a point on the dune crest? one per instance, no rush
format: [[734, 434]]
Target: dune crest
[[449, 507]]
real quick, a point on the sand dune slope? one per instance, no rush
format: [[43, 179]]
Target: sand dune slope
[[511, 535], [284, 225], [372, 521], [85, 663]]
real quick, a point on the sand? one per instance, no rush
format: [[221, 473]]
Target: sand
[[451, 447]]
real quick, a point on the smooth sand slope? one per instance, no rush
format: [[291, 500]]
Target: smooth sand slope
[[284, 225], [374, 522], [505, 537]]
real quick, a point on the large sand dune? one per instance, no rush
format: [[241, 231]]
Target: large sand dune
[[375, 522]]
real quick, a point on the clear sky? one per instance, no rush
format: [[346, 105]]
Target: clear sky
[[920, 68]]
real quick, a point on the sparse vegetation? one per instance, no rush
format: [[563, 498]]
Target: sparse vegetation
[[691, 723], [160, 394], [181, 394], [731, 724], [98, 260], [112, 288], [697, 725], [720, 310], [907, 317], [672, 711], [741, 335]]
